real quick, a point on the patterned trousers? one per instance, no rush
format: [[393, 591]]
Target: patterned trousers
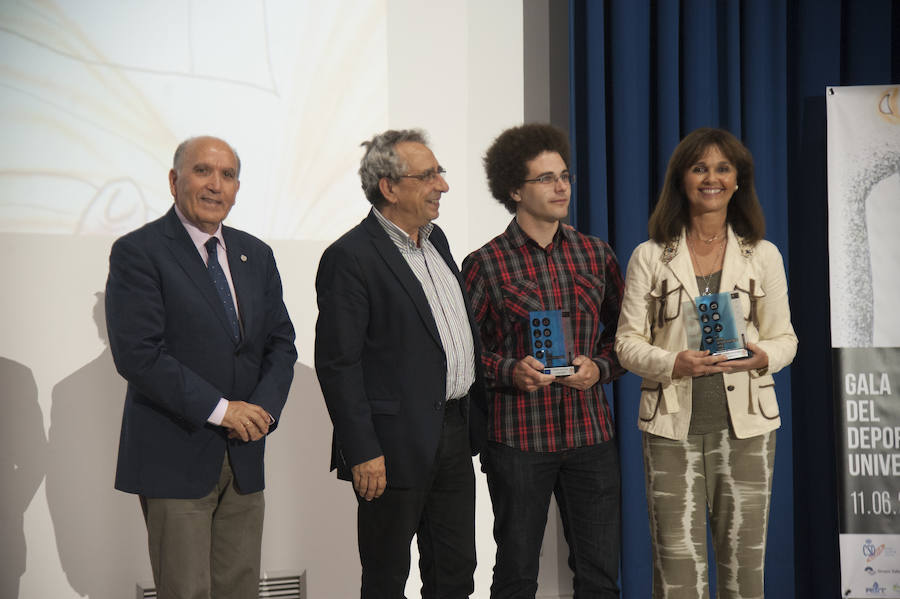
[[732, 479]]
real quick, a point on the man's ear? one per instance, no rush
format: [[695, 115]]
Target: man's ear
[[386, 187], [514, 194], [172, 176]]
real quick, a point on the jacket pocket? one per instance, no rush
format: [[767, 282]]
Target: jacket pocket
[[751, 292], [666, 302], [764, 389], [651, 396]]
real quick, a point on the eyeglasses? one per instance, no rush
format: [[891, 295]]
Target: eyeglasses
[[548, 178], [428, 176]]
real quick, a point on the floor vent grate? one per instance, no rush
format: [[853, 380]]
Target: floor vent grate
[[273, 585]]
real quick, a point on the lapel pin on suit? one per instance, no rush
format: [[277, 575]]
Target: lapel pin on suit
[[243, 258]]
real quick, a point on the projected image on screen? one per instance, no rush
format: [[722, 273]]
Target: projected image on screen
[[96, 94]]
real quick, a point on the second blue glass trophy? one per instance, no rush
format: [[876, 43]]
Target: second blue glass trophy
[[721, 326]]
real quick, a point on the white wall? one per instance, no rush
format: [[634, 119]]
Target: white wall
[[90, 119]]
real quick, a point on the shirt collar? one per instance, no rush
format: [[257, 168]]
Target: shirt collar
[[400, 237], [197, 236], [518, 237]]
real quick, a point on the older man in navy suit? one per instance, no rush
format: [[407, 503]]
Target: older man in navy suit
[[198, 328], [400, 370]]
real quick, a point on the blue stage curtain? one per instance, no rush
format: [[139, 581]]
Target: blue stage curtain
[[644, 74]]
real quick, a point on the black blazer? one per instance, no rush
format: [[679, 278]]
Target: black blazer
[[171, 341], [379, 357]]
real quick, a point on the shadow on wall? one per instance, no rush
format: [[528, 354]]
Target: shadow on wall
[[310, 515], [100, 532], [23, 451], [100, 535]]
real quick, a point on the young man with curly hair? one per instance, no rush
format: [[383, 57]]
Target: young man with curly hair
[[547, 435]]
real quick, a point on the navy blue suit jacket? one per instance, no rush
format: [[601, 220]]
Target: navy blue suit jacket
[[379, 357], [171, 341]]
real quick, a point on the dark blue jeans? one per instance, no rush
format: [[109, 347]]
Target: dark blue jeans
[[585, 482]]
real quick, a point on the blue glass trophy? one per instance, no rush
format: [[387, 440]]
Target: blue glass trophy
[[551, 341], [722, 330]]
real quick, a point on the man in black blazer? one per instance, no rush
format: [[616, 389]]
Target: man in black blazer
[[198, 328], [400, 370]]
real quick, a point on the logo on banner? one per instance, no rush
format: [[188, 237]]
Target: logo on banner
[[876, 589], [871, 551]]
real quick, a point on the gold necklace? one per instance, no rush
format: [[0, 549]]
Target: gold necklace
[[711, 239], [707, 277]]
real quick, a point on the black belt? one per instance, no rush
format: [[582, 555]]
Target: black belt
[[454, 403]]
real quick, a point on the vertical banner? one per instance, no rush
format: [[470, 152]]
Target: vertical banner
[[864, 260]]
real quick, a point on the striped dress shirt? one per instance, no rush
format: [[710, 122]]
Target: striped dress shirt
[[444, 294]]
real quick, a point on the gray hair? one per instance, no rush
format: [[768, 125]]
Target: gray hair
[[179, 152], [381, 160]]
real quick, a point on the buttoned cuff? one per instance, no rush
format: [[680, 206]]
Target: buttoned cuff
[[605, 370], [505, 372], [219, 413]]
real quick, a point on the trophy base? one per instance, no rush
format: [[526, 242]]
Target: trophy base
[[734, 354], [560, 370]]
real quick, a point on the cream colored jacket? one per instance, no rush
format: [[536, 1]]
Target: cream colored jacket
[[652, 330]]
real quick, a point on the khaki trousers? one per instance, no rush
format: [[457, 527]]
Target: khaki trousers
[[207, 548]]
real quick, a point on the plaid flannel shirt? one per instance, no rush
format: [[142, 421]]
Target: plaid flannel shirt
[[511, 276]]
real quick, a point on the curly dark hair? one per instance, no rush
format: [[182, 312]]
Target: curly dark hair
[[506, 158], [671, 214]]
